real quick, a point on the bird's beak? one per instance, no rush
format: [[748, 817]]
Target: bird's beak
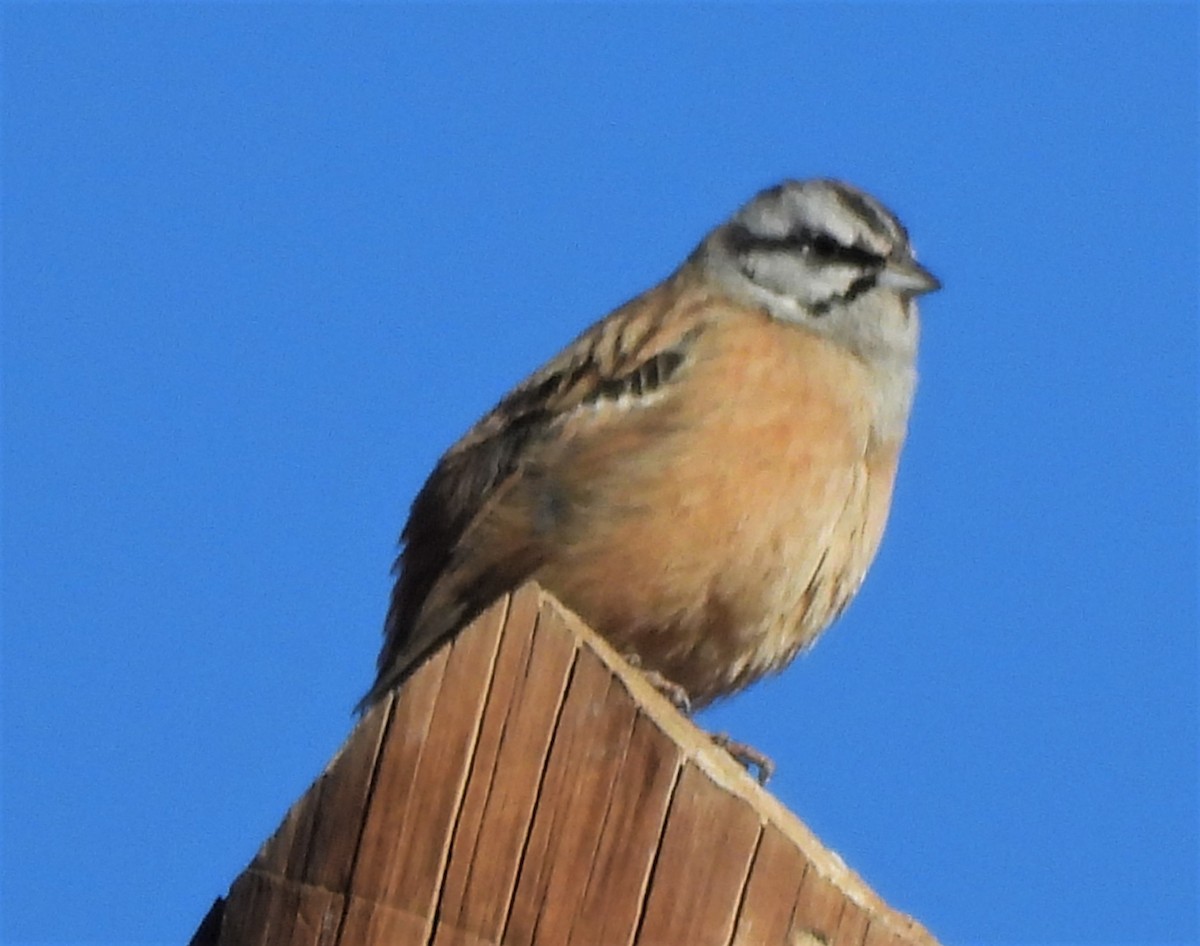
[[908, 276]]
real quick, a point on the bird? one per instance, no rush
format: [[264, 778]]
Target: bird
[[705, 473]]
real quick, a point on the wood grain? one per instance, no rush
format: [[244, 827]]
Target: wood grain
[[527, 787]]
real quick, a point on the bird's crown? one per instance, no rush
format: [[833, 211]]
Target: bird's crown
[[806, 247]]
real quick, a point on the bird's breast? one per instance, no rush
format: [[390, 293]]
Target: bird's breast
[[720, 533]]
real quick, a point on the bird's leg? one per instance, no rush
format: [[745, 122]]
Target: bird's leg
[[747, 755], [672, 691], [677, 695]]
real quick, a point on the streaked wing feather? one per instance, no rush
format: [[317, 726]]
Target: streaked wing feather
[[443, 581]]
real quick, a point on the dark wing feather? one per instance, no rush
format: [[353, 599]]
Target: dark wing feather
[[442, 580]]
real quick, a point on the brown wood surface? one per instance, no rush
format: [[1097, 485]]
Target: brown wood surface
[[506, 777], [775, 878], [610, 908], [527, 786], [703, 865]]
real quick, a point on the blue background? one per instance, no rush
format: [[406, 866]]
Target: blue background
[[262, 265]]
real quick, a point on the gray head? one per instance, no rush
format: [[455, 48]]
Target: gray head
[[827, 256]]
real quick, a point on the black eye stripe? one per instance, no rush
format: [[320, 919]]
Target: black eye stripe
[[859, 286], [803, 240]]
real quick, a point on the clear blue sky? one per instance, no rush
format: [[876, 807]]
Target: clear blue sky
[[262, 265]]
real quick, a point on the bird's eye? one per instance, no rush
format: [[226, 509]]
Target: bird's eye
[[825, 246], [828, 249], [811, 243]]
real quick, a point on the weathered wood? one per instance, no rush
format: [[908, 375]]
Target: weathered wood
[[527, 786], [703, 865], [584, 762], [775, 878], [420, 780], [523, 711], [818, 909], [611, 905]]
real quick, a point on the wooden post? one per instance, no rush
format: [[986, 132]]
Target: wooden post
[[527, 786]]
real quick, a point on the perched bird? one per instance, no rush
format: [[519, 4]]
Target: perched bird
[[704, 474]]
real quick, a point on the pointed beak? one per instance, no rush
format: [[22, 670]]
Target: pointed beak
[[908, 276]]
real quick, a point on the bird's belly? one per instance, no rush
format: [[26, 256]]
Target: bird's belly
[[733, 567]]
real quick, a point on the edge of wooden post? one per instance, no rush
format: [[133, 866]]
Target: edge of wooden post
[[527, 785]]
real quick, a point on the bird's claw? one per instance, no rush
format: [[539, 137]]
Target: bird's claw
[[676, 694], [748, 756], [672, 691]]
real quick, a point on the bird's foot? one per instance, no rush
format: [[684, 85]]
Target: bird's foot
[[748, 756], [672, 691], [677, 695]]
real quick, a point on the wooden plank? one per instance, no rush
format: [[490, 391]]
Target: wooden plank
[[702, 866], [881, 933], [818, 908], [532, 669], [370, 923], [319, 836], [422, 769], [527, 787], [273, 856], [596, 761], [852, 926], [452, 936], [270, 911], [333, 840], [208, 933], [246, 907], [612, 904], [588, 747], [775, 879]]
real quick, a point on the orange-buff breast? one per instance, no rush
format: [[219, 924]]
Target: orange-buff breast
[[733, 524]]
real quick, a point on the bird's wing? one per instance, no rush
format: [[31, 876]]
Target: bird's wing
[[474, 528]]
